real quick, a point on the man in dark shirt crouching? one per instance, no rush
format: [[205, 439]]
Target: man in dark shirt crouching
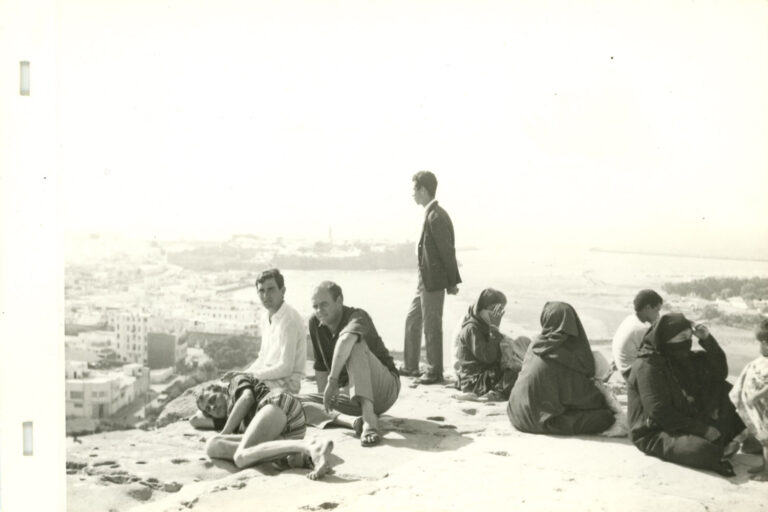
[[348, 352]]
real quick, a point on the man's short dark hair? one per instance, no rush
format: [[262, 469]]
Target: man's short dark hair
[[427, 180], [761, 333], [332, 288], [268, 274], [647, 298]]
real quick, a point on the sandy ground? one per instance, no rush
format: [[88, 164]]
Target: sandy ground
[[438, 454]]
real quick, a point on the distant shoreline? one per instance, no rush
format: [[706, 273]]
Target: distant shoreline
[[673, 255]]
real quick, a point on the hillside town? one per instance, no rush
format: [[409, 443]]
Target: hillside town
[[138, 314], [130, 319]]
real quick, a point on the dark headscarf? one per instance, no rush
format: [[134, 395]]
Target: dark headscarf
[[664, 329], [563, 339], [656, 350], [486, 299]]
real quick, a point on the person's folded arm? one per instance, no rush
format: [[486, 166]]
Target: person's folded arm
[[759, 394], [341, 353], [485, 348], [716, 358], [656, 399], [240, 409]]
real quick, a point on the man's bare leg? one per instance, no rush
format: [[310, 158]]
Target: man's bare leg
[[318, 417], [345, 420], [370, 421]]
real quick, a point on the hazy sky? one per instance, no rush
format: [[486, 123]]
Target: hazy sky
[[624, 124]]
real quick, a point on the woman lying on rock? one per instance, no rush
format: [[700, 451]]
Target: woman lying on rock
[[679, 409], [258, 425], [479, 368], [555, 392]]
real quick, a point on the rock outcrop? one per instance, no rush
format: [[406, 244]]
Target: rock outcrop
[[437, 454]]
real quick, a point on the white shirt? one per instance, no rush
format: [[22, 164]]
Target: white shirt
[[627, 340], [283, 351], [426, 208]]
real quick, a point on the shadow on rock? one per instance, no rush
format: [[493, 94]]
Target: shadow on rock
[[422, 435]]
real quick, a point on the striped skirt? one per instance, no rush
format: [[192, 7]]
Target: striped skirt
[[296, 424]]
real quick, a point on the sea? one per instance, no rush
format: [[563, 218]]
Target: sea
[[599, 285]]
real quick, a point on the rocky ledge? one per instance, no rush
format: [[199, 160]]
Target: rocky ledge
[[438, 454]]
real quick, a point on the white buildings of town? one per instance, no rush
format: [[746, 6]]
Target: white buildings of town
[[218, 315], [98, 394], [90, 346], [137, 309], [131, 329]]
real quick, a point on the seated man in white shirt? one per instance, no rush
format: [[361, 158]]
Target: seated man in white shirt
[[630, 333], [283, 352]]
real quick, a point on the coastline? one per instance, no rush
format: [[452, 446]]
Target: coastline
[[677, 255]]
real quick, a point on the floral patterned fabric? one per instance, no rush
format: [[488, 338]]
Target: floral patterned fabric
[[753, 379]]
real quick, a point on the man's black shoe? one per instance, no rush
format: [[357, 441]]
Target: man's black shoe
[[430, 379]]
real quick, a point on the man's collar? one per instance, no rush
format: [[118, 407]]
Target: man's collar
[[429, 205], [345, 312], [277, 314]]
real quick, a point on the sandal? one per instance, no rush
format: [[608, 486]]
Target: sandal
[[370, 437]]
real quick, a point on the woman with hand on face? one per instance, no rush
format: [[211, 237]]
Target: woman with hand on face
[[478, 351], [679, 409]]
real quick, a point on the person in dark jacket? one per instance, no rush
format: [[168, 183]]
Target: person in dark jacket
[[679, 409], [478, 349], [555, 392], [438, 274]]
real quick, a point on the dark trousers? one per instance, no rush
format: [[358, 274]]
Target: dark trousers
[[425, 314], [368, 378], [694, 451], [685, 449], [574, 422], [496, 379]]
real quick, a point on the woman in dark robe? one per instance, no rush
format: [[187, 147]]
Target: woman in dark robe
[[555, 392], [679, 410], [478, 350]]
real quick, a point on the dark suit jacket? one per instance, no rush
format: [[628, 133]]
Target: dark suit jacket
[[437, 251]]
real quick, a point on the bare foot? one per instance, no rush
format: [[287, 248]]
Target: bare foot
[[319, 450], [761, 476]]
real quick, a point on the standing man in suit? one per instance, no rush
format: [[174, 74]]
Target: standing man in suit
[[438, 273]]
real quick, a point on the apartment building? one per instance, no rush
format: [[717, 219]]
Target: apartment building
[[131, 328], [226, 316], [99, 394], [90, 345]]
